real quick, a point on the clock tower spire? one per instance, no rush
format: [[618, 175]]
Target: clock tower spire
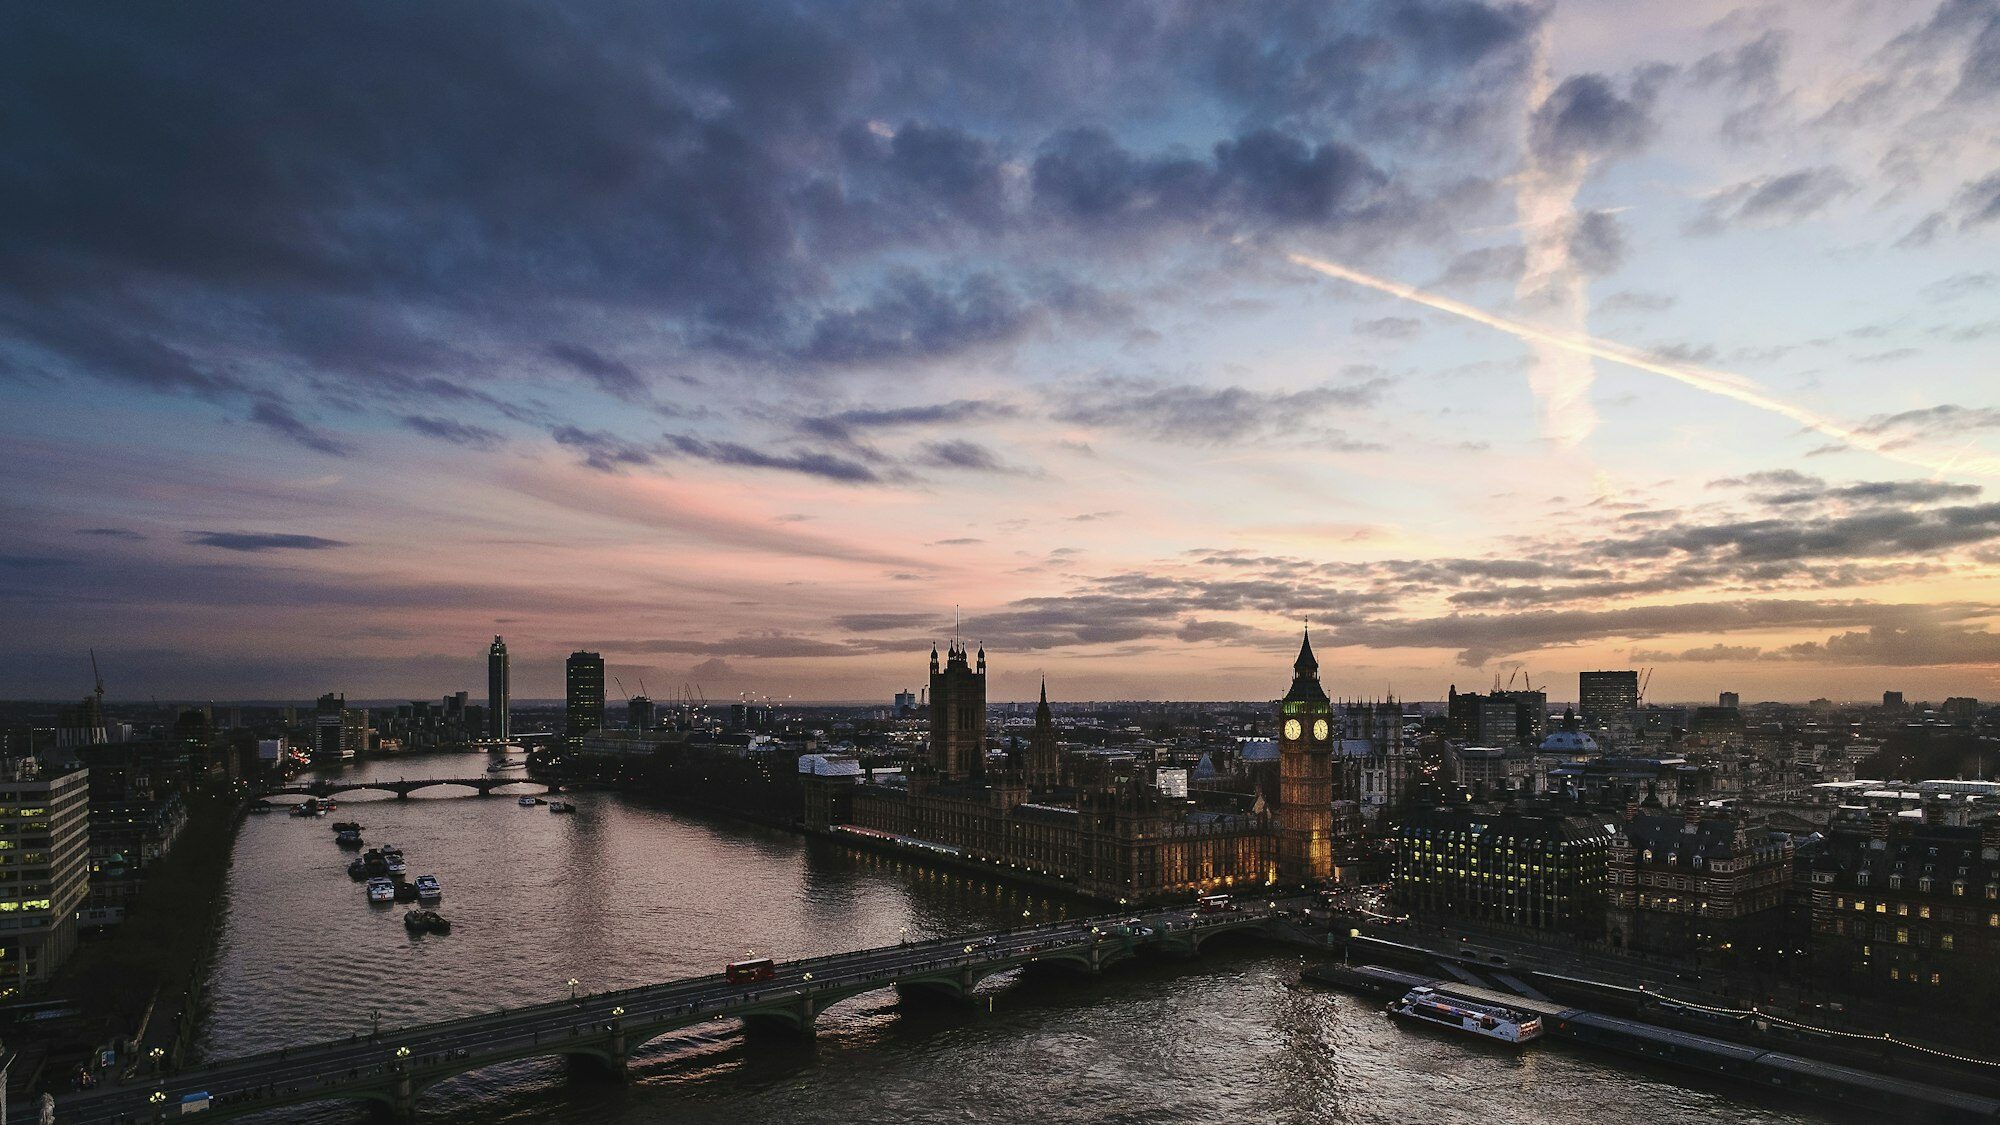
[[1305, 775]]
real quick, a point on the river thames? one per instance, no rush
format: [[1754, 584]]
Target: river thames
[[625, 893]]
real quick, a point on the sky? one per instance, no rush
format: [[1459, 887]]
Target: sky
[[755, 344]]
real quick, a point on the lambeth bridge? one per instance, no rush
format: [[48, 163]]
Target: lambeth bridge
[[599, 1031], [402, 789]]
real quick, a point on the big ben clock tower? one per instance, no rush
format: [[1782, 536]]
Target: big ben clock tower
[[1305, 776]]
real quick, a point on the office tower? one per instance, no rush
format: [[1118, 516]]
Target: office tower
[[1305, 775], [1729, 699], [47, 837], [958, 715], [639, 713], [1606, 697], [583, 677], [496, 690]]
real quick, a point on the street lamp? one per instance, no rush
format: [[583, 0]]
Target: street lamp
[[157, 1097], [617, 1012], [572, 988]]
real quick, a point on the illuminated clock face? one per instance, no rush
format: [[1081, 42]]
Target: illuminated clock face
[[1319, 729], [1292, 728]]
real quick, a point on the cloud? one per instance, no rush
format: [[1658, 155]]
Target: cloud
[[1390, 327], [1207, 415], [961, 454], [1946, 420], [812, 463], [1586, 118], [605, 452], [125, 533], [843, 425], [1707, 654], [278, 418], [261, 541], [1773, 200], [610, 376], [455, 432], [911, 317]]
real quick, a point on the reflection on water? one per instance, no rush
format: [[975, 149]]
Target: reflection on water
[[624, 893]]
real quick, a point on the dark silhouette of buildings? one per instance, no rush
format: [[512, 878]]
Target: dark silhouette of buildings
[[496, 690], [583, 679]]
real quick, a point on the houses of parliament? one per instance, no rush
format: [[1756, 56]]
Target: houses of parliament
[[1098, 823]]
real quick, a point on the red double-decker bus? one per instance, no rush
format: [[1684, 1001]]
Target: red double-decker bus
[[746, 972]]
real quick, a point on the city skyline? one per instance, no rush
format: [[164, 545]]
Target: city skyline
[[1489, 338]]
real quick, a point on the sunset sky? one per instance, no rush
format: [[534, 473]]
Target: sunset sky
[[742, 341]]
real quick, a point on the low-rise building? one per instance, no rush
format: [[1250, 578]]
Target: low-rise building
[[1695, 881], [1907, 907], [1542, 866]]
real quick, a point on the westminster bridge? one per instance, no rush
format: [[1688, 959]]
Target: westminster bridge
[[402, 788], [599, 1031]]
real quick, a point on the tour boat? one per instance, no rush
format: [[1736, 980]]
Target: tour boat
[[348, 839], [428, 888], [394, 862], [561, 806], [1426, 1005], [381, 889], [529, 802]]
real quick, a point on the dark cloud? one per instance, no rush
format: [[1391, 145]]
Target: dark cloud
[[1597, 242], [455, 432], [278, 418], [1773, 200], [1895, 492], [1586, 118], [843, 426], [261, 541], [112, 533], [912, 317], [1207, 415], [812, 463], [611, 376], [960, 454], [1706, 654], [1932, 422], [605, 452]]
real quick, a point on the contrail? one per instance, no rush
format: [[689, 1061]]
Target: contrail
[[1714, 382]]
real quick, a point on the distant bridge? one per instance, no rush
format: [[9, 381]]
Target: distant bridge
[[402, 787], [601, 1030]]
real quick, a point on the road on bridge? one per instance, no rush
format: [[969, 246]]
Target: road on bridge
[[365, 1066]]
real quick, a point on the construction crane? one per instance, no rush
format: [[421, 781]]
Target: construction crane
[[99, 677], [1645, 682], [621, 686]]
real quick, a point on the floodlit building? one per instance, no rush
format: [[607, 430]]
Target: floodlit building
[[44, 867]]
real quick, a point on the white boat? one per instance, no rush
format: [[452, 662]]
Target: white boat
[[429, 889], [1491, 1021], [529, 802], [394, 862], [381, 889]]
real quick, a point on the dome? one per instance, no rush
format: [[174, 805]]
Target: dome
[[1569, 742]]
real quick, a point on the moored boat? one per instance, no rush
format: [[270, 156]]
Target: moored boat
[[529, 802], [429, 889], [381, 889], [426, 921], [561, 806], [1491, 1021], [348, 839]]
